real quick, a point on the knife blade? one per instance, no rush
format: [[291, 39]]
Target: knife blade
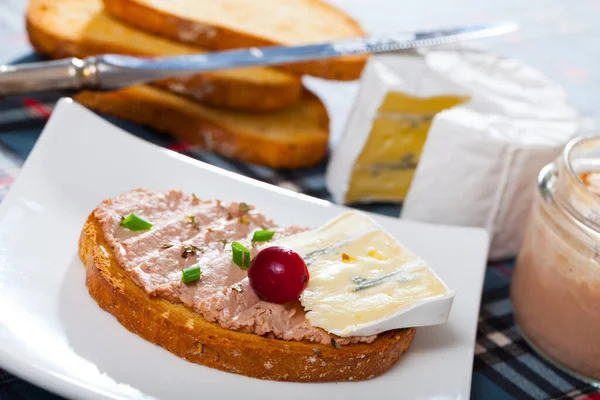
[[112, 71]]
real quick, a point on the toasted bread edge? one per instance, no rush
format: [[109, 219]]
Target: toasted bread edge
[[175, 115], [180, 29]]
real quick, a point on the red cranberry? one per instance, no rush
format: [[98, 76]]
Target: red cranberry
[[278, 275]]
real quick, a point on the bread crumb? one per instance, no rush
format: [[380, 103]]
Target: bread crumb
[[189, 324], [268, 365], [312, 359], [371, 376], [165, 315]]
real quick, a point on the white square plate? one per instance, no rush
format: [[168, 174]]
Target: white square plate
[[53, 334]]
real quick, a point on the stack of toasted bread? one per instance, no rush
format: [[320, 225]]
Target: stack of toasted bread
[[258, 115]]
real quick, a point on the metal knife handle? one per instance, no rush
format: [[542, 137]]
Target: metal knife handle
[[70, 73]]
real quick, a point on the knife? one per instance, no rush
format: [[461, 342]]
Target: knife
[[112, 71]]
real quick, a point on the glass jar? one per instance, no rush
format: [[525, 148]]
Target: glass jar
[[556, 285]]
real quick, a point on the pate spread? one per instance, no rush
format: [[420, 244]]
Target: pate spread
[[188, 231], [556, 287]]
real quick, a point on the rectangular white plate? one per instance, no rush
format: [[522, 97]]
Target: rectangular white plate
[[54, 335]]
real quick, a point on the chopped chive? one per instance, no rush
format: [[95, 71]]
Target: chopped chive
[[191, 274], [135, 223], [262, 236], [241, 255]]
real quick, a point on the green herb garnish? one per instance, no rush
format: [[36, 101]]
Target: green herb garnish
[[241, 255], [190, 250], [244, 208], [262, 236], [191, 219], [191, 274], [335, 344], [135, 223], [166, 246]]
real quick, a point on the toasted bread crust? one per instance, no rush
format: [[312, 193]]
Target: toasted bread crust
[[235, 89], [187, 334], [292, 138], [147, 18]]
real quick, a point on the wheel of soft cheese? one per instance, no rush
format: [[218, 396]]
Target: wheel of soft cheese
[[458, 136]]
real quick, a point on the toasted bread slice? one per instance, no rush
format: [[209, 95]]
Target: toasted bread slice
[[226, 24], [291, 138], [187, 334], [80, 28]]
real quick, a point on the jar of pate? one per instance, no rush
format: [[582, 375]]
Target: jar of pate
[[556, 285]]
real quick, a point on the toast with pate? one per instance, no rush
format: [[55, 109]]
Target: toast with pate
[[227, 24], [81, 28], [294, 137], [216, 320]]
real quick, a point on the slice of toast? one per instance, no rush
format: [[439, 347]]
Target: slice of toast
[[227, 24], [187, 334], [294, 137], [80, 28]]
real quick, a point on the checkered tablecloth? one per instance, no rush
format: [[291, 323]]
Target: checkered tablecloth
[[504, 366]]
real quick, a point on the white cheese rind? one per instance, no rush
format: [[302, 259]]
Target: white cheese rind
[[516, 122], [363, 282]]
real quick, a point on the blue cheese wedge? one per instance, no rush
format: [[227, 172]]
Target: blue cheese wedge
[[363, 281]]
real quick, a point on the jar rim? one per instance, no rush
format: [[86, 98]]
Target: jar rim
[[559, 182], [567, 161]]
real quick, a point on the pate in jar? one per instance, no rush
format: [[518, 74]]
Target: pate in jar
[[556, 285]]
